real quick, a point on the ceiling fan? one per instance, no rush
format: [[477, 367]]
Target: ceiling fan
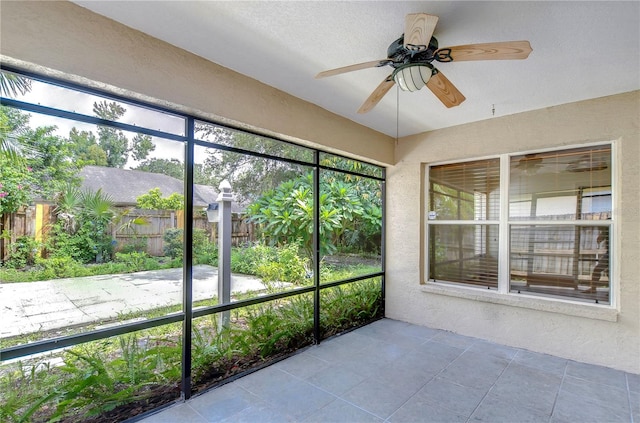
[[411, 57]]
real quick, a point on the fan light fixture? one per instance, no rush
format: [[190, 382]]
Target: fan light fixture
[[412, 76]]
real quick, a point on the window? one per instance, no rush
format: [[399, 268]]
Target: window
[[555, 221]]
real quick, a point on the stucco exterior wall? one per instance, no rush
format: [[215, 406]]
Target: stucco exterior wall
[[66, 40], [591, 333]]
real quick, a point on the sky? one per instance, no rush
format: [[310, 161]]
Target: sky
[[80, 102]]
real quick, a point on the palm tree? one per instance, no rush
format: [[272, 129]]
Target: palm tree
[[12, 85]]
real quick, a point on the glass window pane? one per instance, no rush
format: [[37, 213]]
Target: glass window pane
[[350, 305], [248, 337], [351, 225], [271, 217], [465, 191], [464, 253], [243, 140], [114, 378], [561, 260], [568, 184], [71, 100], [350, 165], [82, 252]]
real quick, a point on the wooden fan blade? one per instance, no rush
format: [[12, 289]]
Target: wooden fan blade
[[418, 29], [352, 68], [377, 95], [507, 50], [445, 90]]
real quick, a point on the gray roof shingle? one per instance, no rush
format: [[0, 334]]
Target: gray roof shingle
[[125, 185]]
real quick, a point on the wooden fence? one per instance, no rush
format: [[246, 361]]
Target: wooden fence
[[34, 221]]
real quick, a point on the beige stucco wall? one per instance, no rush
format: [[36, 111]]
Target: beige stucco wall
[[596, 334], [69, 39]]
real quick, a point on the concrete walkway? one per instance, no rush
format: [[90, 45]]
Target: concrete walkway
[[49, 305]]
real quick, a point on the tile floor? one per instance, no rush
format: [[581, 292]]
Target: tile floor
[[390, 371]]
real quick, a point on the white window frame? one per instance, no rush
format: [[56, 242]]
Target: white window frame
[[503, 294]]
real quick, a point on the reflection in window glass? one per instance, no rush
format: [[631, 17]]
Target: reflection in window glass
[[465, 191], [349, 165], [556, 183], [250, 142]]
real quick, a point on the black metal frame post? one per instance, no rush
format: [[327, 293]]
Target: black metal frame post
[[187, 268], [316, 248]]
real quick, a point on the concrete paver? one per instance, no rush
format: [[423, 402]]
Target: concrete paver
[[34, 306]]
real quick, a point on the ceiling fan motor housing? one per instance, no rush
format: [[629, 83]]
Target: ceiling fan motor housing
[[400, 55]]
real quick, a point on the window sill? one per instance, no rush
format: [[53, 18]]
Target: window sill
[[589, 311]]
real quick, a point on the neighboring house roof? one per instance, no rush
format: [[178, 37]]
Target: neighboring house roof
[[125, 185]]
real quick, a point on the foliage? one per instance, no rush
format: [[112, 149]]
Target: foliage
[[86, 148], [350, 213], [173, 243], [249, 175], [347, 306], [204, 251], [136, 261], [153, 200], [15, 181], [137, 244], [110, 147], [66, 267], [271, 264], [172, 167], [175, 169], [22, 252], [53, 165], [80, 232], [11, 85]]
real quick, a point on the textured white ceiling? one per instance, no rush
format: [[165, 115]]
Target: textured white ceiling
[[581, 50]]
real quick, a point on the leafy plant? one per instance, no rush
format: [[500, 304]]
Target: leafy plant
[[153, 200], [350, 212], [22, 252], [271, 264]]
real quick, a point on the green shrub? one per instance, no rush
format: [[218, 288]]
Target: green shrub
[[173, 240], [22, 253], [136, 262], [204, 251], [135, 244], [271, 264], [61, 267]]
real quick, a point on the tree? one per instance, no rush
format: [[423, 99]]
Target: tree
[[11, 85], [172, 167], [250, 176], [15, 182], [14, 85], [153, 200], [53, 165], [175, 169], [347, 211], [81, 229], [86, 149], [114, 142]]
